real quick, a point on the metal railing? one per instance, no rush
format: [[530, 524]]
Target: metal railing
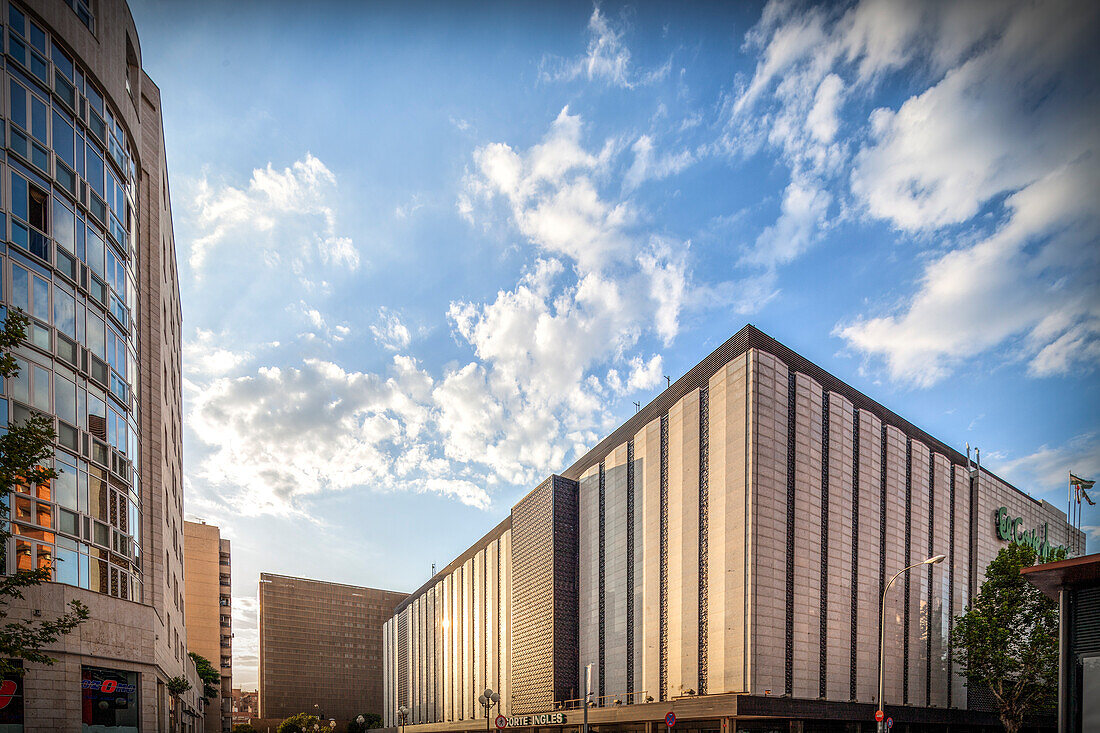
[[606, 701]]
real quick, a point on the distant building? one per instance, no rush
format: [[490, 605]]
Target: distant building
[[321, 647], [206, 558], [89, 256], [720, 557], [245, 705]]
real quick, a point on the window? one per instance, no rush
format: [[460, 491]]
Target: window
[[38, 210], [110, 699]]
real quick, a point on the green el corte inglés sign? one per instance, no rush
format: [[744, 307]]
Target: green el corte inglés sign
[[1012, 529]]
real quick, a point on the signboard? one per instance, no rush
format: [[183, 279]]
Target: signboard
[[501, 722], [1011, 529], [670, 719], [878, 716], [526, 721], [889, 723]]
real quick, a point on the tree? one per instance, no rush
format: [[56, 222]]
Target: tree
[[25, 450], [244, 728], [300, 723], [1008, 639], [211, 680], [370, 720]]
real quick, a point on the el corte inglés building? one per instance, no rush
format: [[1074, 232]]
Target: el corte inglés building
[[720, 557]]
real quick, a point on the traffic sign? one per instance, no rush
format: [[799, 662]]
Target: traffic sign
[[889, 723], [670, 719], [879, 716], [501, 722]]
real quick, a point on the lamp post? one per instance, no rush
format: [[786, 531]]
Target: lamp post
[[587, 693], [402, 713], [935, 560], [332, 723], [488, 699], [359, 719]]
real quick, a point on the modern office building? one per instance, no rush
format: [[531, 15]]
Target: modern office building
[[208, 612], [720, 556], [321, 647], [88, 255]]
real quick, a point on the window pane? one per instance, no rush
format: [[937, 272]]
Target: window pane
[[96, 343], [65, 486], [63, 139], [39, 120], [95, 252], [64, 399], [40, 306], [18, 104], [20, 288], [66, 564], [19, 196], [41, 388], [21, 382], [64, 311], [64, 225]]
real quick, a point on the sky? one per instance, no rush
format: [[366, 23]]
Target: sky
[[430, 252]]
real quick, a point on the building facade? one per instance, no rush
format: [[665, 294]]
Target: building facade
[[208, 612], [88, 254], [721, 556], [321, 647], [245, 706]]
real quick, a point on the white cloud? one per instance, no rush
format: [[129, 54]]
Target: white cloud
[[607, 59], [650, 167], [206, 355], [1046, 470], [1001, 141], [286, 214], [389, 331]]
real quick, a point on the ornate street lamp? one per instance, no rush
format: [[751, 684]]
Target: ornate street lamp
[[488, 699], [360, 720], [402, 714]]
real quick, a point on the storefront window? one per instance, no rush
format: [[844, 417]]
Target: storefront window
[[11, 702], [109, 700]]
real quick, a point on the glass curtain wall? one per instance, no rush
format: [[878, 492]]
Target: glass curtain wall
[[67, 261]]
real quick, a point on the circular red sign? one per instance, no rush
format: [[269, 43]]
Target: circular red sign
[[879, 716], [670, 719], [501, 722]]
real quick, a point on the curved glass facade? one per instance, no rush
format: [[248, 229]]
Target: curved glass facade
[[68, 192]]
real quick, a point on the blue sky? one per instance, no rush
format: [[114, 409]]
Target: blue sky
[[429, 253]]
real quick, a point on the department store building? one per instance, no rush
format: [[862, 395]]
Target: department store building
[[720, 556]]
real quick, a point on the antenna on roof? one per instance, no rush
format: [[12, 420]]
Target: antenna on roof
[[433, 569], [637, 407], [668, 379]]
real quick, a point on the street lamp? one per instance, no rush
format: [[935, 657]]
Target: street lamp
[[488, 699], [360, 720], [402, 713], [935, 560], [332, 723]]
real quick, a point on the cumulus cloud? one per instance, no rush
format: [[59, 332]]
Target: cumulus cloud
[[1046, 470], [206, 354], [607, 59], [287, 214], [389, 331], [993, 158], [650, 166]]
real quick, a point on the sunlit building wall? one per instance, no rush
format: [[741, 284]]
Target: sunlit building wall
[[731, 543]]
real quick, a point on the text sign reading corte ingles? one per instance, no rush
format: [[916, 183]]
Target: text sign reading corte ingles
[[1011, 529], [526, 721]]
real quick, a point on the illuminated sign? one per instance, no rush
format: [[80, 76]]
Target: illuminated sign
[[1012, 529], [107, 686], [526, 721]]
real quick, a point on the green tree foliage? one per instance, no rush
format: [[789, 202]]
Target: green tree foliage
[[370, 720], [211, 680], [25, 450], [178, 685], [300, 723], [244, 728], [1008, 639]]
